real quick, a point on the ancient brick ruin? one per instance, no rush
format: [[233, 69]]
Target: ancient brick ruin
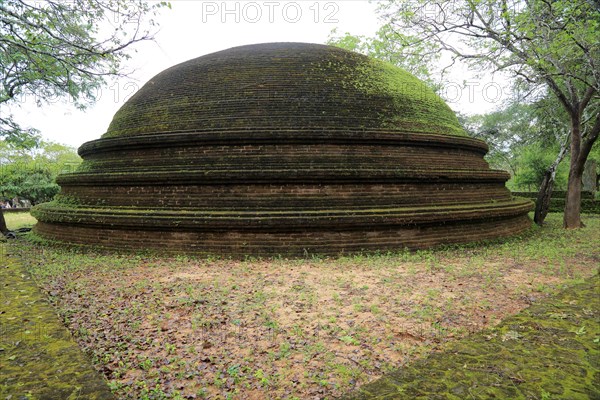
[[283, 148]]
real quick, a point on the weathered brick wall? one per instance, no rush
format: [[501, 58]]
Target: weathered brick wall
[[168, 177], [285, 197], [260, 242]]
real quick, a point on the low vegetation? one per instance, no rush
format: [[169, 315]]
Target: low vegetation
[[185, 327], [17, 220]]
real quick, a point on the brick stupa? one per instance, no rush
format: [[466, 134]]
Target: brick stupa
[[282, 148]]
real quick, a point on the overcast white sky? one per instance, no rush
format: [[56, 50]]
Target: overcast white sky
[[193, 28]]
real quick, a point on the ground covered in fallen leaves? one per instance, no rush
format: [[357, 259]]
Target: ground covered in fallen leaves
[[298, 329]]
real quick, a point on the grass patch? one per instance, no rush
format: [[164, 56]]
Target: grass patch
[[179, 327], [16, 220]]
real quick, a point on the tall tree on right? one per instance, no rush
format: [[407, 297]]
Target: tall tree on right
[[545, 45]]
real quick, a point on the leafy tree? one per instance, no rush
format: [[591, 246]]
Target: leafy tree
[[512, 133], [54, 49], [31, 174], [546, 46], [532, 162], [505, 131]]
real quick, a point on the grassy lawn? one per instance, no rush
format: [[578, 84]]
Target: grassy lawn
[[16, 220], [184, 327]]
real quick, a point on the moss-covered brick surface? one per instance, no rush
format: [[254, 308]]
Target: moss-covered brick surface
[[239, 243], [283, 86], [38, 358], [549, 351]]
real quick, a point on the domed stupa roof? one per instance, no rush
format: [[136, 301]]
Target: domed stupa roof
[[282, 148], [282, 86]]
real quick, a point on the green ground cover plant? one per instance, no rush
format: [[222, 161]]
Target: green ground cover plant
[[187, 327], [16, 220]]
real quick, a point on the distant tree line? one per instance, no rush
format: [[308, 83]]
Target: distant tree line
[[30, 173]]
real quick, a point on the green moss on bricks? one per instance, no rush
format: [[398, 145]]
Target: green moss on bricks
[[282, 86], [415, 103], [38, 357]]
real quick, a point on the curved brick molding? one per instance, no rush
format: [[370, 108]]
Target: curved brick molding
[[282, 148]]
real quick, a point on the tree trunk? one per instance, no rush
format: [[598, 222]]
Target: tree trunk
[[3, 228], [572, 217], [542, 203]]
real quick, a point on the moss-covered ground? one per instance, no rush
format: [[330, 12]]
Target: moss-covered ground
[[38, 357], [549, 351]]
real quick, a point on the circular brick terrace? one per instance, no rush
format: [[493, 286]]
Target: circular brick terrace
[[283, 148]]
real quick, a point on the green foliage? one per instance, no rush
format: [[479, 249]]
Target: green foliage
[[595, 154], [589, 205], [550, 43], [394, 47], [31, 174], [52, 49], [505, 131], [524, 139], [532, 162]]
